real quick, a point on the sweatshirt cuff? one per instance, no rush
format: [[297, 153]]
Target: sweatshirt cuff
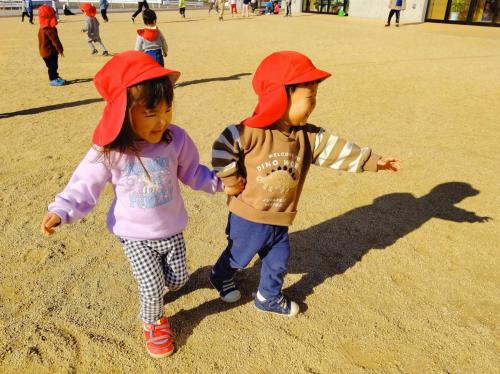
[[371, 163], [230, 180], [61, 214]]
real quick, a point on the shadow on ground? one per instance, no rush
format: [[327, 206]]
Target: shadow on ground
[[233, 77], [330, 248], [47, 108]]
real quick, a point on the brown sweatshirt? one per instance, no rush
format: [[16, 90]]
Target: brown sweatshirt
[[275, 165], [48, 42]]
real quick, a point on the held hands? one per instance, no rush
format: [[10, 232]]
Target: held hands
[[235, 189], [389, 163], [49, 221]]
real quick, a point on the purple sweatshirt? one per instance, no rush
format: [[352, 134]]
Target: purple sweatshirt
[[142, 208]]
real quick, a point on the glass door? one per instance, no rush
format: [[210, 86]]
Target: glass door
[[459, 10], [485, 11]]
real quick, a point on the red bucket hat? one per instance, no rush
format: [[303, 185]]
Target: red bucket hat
[[89, 9], [47, 16], [123, 70], [275, 72]]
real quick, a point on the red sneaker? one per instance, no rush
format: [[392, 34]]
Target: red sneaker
[[159, 338]]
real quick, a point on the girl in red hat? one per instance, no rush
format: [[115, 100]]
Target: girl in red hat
[[49, 45], [143, 155], [263, 162], [92, 28]]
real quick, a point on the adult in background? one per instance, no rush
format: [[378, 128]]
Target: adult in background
[[141, 4], [395, 6], [246, 7], [103, 7], [288, 4]]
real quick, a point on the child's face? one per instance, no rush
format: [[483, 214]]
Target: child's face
[[301, 103], [150, 124]]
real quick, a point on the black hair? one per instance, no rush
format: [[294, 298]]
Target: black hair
[[149, 93], [149, 17]]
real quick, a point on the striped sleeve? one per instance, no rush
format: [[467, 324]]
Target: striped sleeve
[[333, 152], [225, 155]]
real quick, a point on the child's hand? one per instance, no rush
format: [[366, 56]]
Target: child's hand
[[62, 54], [164, 54], [49, 221], [389, 163], [235, 189]]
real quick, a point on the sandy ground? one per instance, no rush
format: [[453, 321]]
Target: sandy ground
[[394, 273]]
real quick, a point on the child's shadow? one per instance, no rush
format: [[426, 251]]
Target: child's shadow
[[333, 246]]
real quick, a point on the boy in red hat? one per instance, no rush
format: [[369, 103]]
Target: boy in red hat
[[92, 28], [150, 39], [143, 155], [49, 44], [263, 162]]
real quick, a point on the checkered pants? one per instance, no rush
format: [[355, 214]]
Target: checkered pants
[[156, 264]]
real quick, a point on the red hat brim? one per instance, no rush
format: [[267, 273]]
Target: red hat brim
[[113, 115]]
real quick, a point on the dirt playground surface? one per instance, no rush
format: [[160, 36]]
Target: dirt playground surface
[[393, 273]]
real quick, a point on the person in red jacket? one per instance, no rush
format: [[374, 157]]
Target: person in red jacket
[[49, 45]]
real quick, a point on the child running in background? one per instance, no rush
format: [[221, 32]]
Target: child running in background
[[263, 162], [150, 39], [182, 8], [49, 45], [232, 3], [27, 10], [103, 7], [143, 155], [92, 28]]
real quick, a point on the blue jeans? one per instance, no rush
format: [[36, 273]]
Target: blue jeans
[[245, 240], [157, 55]]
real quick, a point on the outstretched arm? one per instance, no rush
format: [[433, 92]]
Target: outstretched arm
[[333, 152], [80, 195]]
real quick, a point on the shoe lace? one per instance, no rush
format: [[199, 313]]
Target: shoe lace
[[282, 301]]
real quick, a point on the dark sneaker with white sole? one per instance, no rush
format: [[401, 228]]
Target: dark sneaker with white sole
[[279, 305], [226, 287]]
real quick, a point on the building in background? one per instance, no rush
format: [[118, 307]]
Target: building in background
[[474, 12]]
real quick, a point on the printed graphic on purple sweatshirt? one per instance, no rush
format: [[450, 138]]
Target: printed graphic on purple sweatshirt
[[151, 189]]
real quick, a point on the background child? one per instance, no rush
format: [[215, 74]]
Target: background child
[[27, 10], [220, 9], [140, 4], [67, 11], [182, 8], [232, 3], [49, 44], [92, 28], [150, 39], [143, 155], [272, 151], [395, 6], [103, 7]]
